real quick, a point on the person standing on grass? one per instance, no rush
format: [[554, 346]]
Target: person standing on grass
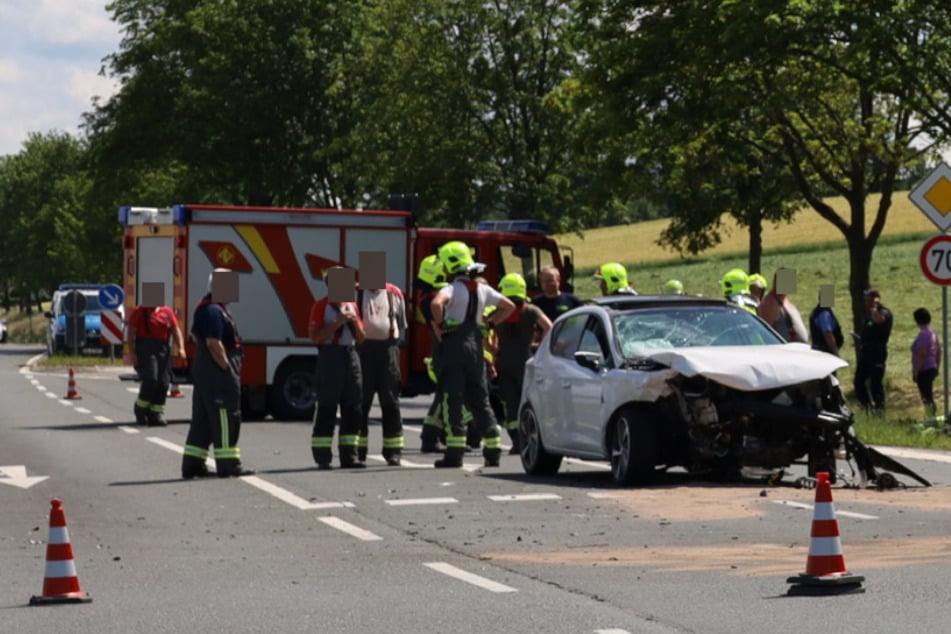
[[872, 345], [925, 359]]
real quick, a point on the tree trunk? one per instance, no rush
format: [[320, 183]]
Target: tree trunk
[[756, 243], [860, 263]]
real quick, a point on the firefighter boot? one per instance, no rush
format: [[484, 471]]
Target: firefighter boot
[[451, 460], [492, 457], [141, 414], [516, 439]]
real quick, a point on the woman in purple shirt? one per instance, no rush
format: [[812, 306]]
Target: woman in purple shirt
[[925, 359]]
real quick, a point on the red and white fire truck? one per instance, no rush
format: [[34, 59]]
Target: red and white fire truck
[[281, 254]]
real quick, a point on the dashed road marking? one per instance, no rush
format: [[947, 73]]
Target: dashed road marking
[[83, 410], [468, 577], [286, 496], [103, 419], [809, 507], [127, 429], [421, 501], [350, 529], [524, 497]]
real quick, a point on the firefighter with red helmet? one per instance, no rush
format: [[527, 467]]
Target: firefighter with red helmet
[[457, 310], [336, 328]]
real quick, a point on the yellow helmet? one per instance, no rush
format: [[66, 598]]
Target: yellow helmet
[[513, 285], [674, 287], [432, 271], [735, 281], [614, 276], [456, 256], [758, 281]]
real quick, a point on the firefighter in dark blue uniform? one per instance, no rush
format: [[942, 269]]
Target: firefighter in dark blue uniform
[[216, 402], [457, 310]]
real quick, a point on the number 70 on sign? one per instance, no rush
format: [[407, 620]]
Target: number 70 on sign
[[935, 259]]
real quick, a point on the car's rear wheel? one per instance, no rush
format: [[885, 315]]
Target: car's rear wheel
[[634, 447], [535, 458]]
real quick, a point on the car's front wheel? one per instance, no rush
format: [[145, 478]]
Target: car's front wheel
[[535, 458], [634, 447]]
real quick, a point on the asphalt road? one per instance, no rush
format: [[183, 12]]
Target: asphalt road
[[407, 549]]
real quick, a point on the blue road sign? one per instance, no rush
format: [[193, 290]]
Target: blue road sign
[[111, 297]]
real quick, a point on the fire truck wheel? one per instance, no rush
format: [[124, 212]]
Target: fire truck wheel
[[292, 394]]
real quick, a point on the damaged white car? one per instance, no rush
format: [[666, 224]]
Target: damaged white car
[[654, 382]]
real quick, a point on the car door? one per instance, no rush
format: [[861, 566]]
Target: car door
[[553, 381], [586, 387]]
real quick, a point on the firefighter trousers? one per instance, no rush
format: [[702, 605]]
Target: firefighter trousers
[[216, 414], [463, 382], [154, 370], [339, 384], [380, 368]]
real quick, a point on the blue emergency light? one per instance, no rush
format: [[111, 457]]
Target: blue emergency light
[[515, 226]]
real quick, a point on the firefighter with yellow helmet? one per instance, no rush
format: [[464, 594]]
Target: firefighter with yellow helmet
[[613, 279], [457, 310], [516, 336], [735, 285]]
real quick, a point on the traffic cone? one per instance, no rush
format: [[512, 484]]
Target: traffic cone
[[60, 585], [71, 392], [175, 391], [825, 566]]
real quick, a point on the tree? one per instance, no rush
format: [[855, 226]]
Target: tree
[[248, 100], [808, 66]]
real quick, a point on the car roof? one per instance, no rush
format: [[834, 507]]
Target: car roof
[[626, 302]]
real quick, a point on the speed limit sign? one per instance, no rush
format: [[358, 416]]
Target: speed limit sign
[[935, 259]]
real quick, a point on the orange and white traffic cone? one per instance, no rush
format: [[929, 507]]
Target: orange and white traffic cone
[[825, 566], [175, 392], [60, 585], [71, 392]]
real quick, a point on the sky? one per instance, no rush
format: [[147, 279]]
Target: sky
[[50, 55]]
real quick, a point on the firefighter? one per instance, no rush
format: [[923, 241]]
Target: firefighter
[[216, 401], [429, 279], [735, 285], [516, 344], [383, 313], [457, 309], [613, 279], [336, 328], [149, 331], [673, 287]]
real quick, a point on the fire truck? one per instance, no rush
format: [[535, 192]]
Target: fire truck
[[280, 255]]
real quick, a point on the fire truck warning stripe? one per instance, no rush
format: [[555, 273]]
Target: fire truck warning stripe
[[254, 240]]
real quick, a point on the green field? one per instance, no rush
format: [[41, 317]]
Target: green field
[[817, 252]]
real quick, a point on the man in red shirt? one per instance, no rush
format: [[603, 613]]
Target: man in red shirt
[[150, 333]]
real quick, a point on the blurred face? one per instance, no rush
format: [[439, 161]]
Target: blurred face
[[550, 281], [756, 292]]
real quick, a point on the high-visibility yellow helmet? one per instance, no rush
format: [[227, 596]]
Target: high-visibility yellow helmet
[[513, 285], [758, 281], [674, 287], [735, 281], [456, 256], [432, 271], [614, 276]]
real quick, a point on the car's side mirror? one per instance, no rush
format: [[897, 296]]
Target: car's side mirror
[[590, 360]]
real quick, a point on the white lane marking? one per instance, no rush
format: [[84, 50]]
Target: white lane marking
[[471, 468], [611, 631], [421, 501], [468, 577], [524, 497], [603, 495], [901, 452], [83, 410], [161, 442], [133, 390], [103, 419], [67, 403], [128, 430], [349, 529], [286, 496], [604, 466], [50, 395], [809, 507]]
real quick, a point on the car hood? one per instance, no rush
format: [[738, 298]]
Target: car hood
[[750, 368]]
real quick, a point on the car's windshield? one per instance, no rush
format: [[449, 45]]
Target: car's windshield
[[642, 330]]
